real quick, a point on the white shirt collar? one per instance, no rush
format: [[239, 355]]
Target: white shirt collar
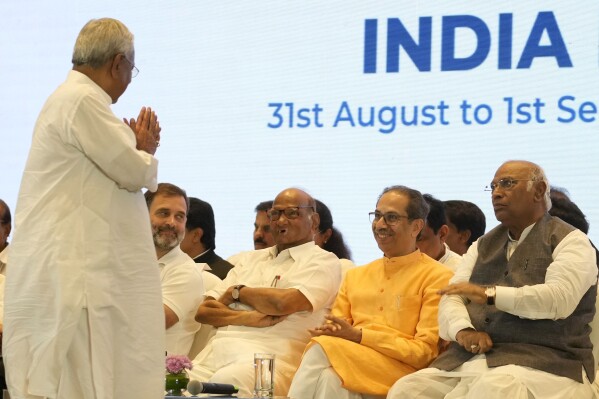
[[293, 252]]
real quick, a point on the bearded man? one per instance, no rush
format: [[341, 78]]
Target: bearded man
[[180, 276]]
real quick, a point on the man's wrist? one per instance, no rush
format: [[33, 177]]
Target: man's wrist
[[236, 292], [358, 335], [491, 293], [463, 331]]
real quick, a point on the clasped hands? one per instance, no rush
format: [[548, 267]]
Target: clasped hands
[[337, 327], [146, 129]]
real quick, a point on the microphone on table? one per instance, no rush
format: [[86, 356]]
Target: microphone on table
[[195, 387]]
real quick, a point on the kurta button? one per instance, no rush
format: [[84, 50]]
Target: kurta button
[[382, 290], [506, 273], [381, 308], [487, 320]]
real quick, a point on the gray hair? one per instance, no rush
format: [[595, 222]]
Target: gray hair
[[537, 174], [417, 207], [100, 40]]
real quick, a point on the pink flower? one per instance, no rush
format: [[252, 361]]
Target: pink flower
[[175, 364]]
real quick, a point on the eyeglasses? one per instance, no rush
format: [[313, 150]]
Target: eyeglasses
[[391, 218], [290, 213], [134, 70], [504, 184]]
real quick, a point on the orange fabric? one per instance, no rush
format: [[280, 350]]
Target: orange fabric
[[395, 303]]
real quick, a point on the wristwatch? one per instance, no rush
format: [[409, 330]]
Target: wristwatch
[[235, 292], [490, 292]]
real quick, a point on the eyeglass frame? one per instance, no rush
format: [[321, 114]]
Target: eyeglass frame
[[373, 216], [285, 210], [506, 183], [134, 69]]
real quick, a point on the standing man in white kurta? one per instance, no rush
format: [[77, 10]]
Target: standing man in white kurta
[[83, 311], [269, 299]]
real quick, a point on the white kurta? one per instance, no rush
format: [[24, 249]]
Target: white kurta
[[83, 246], [183, 292], [228, 357]]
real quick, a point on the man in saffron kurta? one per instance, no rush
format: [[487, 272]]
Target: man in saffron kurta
[[384, 321]]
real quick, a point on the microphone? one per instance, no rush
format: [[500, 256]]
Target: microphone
[[195, 387]]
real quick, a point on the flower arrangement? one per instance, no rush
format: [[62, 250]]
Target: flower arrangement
[[176, 364]]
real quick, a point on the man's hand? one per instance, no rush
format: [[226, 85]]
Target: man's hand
[[338, 327], [474, 341], [227, 297], [253, 318], [475, 293], [146, 129]]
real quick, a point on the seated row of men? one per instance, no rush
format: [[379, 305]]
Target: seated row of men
[[516, 312]]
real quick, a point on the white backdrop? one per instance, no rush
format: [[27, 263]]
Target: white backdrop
[[211, 69]]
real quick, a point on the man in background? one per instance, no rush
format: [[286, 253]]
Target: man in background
[[466, 223], [200, 238], [83, 311], [431, 240], [263, 237]]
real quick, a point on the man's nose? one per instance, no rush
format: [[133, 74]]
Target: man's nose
[[381, 223]]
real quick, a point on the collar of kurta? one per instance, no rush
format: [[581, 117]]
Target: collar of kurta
[[294, 252], [522, 236], [397, 262], [204, 262], [171, 256], [80, 78]]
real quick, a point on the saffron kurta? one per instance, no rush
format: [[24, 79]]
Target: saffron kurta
[[83, 246], [394, 301]]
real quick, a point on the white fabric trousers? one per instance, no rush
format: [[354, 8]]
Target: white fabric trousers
[[474, 380], [316, 379]]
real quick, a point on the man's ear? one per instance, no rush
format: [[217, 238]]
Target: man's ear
[[464, 236], [417, 226], [196, 234], [540, 189], [116, 65], [327, 235], [315, 222], [442, 233]]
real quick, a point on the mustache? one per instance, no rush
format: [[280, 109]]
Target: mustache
[[165, 228], [259, 241]]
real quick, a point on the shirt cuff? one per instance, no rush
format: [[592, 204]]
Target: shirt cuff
[[505, 298], [457, 327]]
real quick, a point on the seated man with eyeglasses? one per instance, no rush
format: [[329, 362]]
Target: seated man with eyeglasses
[[519, 307], [269, 300], [384, 321]]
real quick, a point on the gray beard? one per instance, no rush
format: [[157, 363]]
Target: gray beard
[[166, 243]]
